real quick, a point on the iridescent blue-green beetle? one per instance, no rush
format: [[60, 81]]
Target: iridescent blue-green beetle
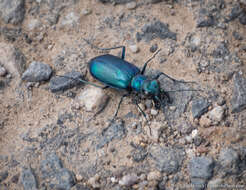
[[117, 73]]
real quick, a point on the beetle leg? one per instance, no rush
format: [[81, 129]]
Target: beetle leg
[[106, 49], [174, 80], [142, 112], [146, 63], [121, 100], [105, 87]]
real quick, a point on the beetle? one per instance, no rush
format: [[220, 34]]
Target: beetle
[[116, 72]]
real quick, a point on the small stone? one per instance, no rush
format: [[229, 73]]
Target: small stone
[[113, 180], [134, 48], [70, 19], [205, 19], [86, 12], [156, 29], [167, 159], [3, 176], [67, 81], [79, 178], [201, 167], [194, 133], [216, 114], [12, 59], [131, 5], [12, 11], [148, 104], [3, 71], [242, 18], [153, 48], [34, 24], [221, 101], [94, 181], [202, 149], [94, 99], [238, 101], [155, 176], [28, 180], [229, 159], [153, 112], [172, 108], [188, 138], [205, 121], [129, 180], [37, 72], [155, 131], [199, 107]]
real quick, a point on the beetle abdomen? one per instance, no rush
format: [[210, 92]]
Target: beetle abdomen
[[113, 71]]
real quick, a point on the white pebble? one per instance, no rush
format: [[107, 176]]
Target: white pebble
[[134, 48], [92, 98], [194, 133], [129, 180], [153, 112], [131, 5], [3, 71]]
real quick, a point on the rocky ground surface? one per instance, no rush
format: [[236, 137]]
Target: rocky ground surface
[[49, 138]]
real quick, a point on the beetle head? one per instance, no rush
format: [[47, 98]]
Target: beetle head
[[151, 87]]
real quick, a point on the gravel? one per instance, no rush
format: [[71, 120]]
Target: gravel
[[37, 72], [12, 11], [199, 107], [167, 159], [28, 179], [70, 80], [238, 101]]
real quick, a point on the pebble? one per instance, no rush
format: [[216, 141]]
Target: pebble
[[34, 24], [12, 11], [62, 83], [153, 112], [153, 48], [93, 98], [156, 130], [86, 12], [216, 114], [201, 167], [70, 19], [230, 161], [167, 159], [28, 180], [37, 72], [12, 59], [154, 175], [199, 107], [205, 121], [129, 180], [194, 133], [238, 101], [3, 71], [94, 181], [3, 175], [134, 48], [131, 5]]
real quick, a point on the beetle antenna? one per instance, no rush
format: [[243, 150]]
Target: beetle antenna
[[80, 80], [183, 90], [146, 63]]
